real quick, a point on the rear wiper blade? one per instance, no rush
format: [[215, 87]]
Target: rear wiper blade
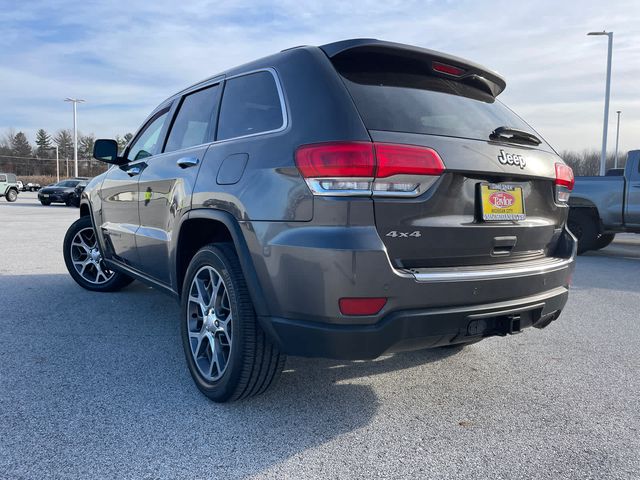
[[514, 135]]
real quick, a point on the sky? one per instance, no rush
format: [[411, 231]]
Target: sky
[[124, 58]]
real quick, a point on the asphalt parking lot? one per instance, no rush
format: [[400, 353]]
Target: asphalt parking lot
[[95, 386]]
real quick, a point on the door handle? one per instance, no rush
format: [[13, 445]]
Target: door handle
[[186, 162], [133, 171]]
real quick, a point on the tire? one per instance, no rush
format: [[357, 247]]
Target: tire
[[247, 363], [604, 240], [12, 195], [69, 202], [46, 203], [584, 227], [83, 259]]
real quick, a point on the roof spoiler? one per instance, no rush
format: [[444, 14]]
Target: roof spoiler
[[447, 66]]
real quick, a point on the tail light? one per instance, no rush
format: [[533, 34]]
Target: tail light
[[564, 182], [361, 168]]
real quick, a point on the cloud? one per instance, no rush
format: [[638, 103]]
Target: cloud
[[126, 58]]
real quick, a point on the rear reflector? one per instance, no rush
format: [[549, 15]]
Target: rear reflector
[[564, 176], [361, 306], [448, 69]]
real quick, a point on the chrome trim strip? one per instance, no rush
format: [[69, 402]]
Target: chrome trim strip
[[316, 187], [451, 275], [423, 182]]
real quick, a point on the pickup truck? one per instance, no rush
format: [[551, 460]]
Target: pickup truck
[[600, 207]]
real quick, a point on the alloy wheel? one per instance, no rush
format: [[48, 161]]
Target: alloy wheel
[[209, 323], [87, 259]]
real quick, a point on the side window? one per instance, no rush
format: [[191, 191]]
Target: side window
[[146, 143], [250, 104], [192, 125], [3, 178]]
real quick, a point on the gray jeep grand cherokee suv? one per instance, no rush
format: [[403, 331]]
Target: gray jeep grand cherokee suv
[[339, 201]]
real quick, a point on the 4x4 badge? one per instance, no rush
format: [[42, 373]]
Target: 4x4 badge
[[511, 159]]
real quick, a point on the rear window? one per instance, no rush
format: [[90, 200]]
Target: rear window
[[401, 95]]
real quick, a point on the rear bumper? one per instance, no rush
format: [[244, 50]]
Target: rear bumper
[[414, 329]]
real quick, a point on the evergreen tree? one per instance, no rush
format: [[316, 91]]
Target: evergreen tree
[[85, 146], [20, 145], [64, 140], [43, 142]]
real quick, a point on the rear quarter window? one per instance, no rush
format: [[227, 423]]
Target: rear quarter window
[[250, 105]]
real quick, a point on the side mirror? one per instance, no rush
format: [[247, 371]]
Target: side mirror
[[106, 150]]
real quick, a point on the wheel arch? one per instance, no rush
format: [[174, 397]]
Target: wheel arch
[[589, 208], [204, 226], [84, 210]]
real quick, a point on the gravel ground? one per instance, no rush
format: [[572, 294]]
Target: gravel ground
[[95, 386]]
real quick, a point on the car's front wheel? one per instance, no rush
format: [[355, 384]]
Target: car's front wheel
[[12, 195], [228, 354], [84, 262]]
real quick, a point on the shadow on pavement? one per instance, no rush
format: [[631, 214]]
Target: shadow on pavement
[[102, 376]]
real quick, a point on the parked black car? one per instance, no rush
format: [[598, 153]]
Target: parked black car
[[31, 187], [61, 192], [338, 201], [77, 192]]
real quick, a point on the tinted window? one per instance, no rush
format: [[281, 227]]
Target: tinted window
[[146, 143], [400, 95], [250, 104], [192, 125], [68, 183]]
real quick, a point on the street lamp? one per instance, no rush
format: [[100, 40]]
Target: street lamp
[[615, 159], [75, 101], [603, 156]]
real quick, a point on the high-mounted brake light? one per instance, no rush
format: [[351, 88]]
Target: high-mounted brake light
[[448, 69], [361, 168], [564, 182]]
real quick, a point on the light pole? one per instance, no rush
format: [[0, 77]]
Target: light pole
[[603, 156], [615, 158], [75, 101]]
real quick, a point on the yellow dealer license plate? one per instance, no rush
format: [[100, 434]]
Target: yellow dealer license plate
[[502, 202]]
